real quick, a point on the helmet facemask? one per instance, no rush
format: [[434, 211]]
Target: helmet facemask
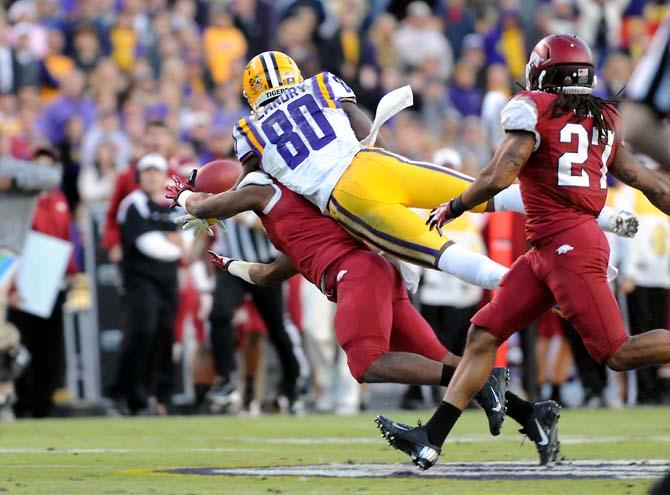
[[575, 79]]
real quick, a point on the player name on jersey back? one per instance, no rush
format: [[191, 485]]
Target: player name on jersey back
[[303, 138]]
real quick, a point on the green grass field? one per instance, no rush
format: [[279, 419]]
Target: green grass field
[[121, 456]]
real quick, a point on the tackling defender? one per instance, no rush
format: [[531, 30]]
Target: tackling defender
[[383, 335], [560, 143], [305, 133]]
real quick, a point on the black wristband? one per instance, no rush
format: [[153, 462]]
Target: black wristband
[[227, 264], [457, 206]]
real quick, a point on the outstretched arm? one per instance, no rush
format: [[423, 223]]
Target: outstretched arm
[[263, 274], [229, 203], [655, 186], [500, 173], [618, 221], [222, 205]]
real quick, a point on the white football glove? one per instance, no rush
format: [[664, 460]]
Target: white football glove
[[624, 223], [197, 225]]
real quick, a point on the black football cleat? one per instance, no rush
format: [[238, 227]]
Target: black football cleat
[[542, 428], [492, 399], [413, 441]]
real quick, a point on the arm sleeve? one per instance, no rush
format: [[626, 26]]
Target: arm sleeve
[[509, 200], [155, 245], [520, 114], [30, 176]]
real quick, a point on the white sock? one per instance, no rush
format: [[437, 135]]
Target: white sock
[[470, 267], [509, 200]]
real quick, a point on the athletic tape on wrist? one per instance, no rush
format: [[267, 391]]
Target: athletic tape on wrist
[[182, 197], [240, 269]]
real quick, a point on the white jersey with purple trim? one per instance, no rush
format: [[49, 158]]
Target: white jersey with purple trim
[[303, 138]]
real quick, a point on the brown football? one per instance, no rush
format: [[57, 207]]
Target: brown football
[[217, 176]]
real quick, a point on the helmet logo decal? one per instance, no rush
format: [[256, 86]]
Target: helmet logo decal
[[535, 59], [266, 72]]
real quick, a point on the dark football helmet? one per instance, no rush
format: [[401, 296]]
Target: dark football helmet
[[561, 63]]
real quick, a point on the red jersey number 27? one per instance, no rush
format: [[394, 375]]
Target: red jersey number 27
[[571, 171]]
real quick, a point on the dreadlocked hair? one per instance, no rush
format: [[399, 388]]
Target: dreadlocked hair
[[587, 106]]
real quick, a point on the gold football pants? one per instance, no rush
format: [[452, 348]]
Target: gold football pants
[[374, 197]]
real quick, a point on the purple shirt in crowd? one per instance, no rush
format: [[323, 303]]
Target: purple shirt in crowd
[[466, 101], [54, 120]]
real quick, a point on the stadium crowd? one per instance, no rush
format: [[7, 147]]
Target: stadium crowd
[[117, 91]]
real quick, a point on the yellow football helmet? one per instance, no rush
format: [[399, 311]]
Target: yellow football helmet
[[267, 75]]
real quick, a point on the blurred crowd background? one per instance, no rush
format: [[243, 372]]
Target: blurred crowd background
[[92, 86]]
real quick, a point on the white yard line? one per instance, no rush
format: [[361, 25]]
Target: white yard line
[[367, 440], [34, 450]]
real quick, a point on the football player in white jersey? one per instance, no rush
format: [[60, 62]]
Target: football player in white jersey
[[306, 134]]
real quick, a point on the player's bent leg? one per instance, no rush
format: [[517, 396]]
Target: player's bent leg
[[578, 282], [473, 370], [401, 232], [522, 297], [417, 357], [390, 226], [424, 443], [541, 422], [424, 185], [364, 313], [404, 367], [647, 349], [412, 333]]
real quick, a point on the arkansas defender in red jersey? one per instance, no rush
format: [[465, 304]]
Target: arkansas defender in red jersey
[[384, 336], [560, 143]]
